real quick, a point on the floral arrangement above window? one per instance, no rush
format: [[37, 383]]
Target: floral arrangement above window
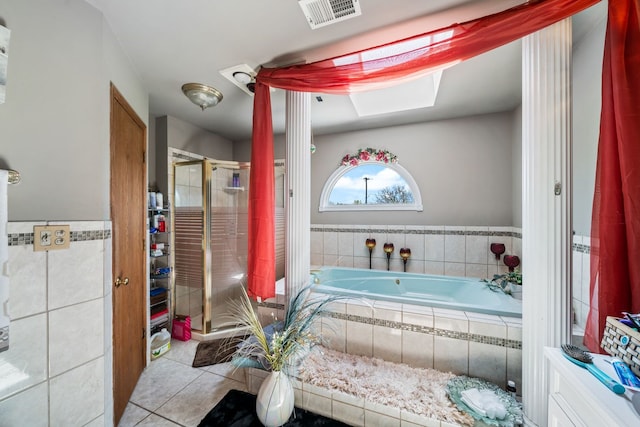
[[367, 155]]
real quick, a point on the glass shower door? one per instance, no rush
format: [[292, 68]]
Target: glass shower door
[[227, 237], [189, 214]]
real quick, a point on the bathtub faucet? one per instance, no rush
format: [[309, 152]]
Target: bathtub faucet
[[314, 274]]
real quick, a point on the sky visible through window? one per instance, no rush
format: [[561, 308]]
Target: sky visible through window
[[352, 187]]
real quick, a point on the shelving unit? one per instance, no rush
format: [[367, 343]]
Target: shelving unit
[[160, 270]]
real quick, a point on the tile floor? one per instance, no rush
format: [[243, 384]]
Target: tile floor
[[171, 393]]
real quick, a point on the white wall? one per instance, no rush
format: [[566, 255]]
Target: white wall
[[242, 149], [516, 169], [462, 166], [176, 133], [587, 102], [54, 125], [54, 129]]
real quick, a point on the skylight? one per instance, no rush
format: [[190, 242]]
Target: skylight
[[419, 93], [415, 92]]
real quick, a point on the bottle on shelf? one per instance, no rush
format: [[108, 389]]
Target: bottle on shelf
[[160, 275]]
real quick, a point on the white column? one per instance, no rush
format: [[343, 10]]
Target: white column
[[546, 199], [298, 188]]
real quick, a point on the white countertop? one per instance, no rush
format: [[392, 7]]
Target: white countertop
[[591, 399]]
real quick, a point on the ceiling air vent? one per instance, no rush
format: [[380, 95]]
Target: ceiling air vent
[[324, 12]]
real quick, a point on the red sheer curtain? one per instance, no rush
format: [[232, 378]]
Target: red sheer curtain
[[615, 226], [379, 66], [261, 256]]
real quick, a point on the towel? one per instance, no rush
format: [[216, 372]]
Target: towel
[[4, 263], [484, 402]]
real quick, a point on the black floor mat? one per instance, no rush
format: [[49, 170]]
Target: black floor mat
[[238, 409]]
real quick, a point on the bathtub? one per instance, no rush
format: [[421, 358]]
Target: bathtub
[[449, 292]]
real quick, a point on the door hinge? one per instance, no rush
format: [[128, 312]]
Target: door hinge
[[144, 333]]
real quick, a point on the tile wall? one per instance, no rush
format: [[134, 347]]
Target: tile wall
[[58, 369], [478, 345], [580, 281], [452, 251]]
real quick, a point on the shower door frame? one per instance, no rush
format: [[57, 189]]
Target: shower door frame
[[205, 174]]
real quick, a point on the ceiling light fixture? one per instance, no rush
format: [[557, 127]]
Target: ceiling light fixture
[[242, 77], [245, 79], [202, 95]]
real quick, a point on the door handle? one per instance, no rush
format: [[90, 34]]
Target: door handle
[[119, 282]]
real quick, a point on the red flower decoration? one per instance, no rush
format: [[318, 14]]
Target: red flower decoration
[[366, 155]]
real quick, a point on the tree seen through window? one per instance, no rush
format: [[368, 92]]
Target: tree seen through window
[[371, 183]]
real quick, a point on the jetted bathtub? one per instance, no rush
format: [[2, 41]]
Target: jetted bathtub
[[450, 292]]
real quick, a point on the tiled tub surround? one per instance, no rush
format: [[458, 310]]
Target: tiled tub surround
[[57, 371], [444, 250], [472, 344], [343, 407]]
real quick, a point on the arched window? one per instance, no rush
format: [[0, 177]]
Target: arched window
[[370, 185]]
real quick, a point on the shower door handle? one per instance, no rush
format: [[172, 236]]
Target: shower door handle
[[119, 282]]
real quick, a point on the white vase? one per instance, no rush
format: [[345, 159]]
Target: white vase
[[274, 403], [516, 290]]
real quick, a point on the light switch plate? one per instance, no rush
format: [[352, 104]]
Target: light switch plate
[[51, 237]]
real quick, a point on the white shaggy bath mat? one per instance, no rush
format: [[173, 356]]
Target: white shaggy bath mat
[[416, 390]]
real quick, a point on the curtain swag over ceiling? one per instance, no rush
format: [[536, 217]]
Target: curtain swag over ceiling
[[615, 224], [380, 66]]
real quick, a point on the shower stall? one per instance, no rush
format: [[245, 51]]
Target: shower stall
[[210, 236]]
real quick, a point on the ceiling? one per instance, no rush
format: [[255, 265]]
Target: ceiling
[[170, 43]]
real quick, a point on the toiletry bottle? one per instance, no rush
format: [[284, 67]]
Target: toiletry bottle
[[626, 376], [236, 180], [511, 388]]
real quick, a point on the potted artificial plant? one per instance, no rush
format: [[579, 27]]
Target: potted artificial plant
[[510, 283], [278, 348]]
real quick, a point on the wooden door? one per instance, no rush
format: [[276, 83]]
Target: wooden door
[[128, 216]]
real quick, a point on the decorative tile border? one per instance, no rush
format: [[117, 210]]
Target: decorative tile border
[[271, 305], [179, 156], [464, 336], [79, 236], [24, 239], [176, 153], [582, 248], [487, 233], [20, 239]]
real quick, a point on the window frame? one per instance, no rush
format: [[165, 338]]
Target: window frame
[[324, 205]]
